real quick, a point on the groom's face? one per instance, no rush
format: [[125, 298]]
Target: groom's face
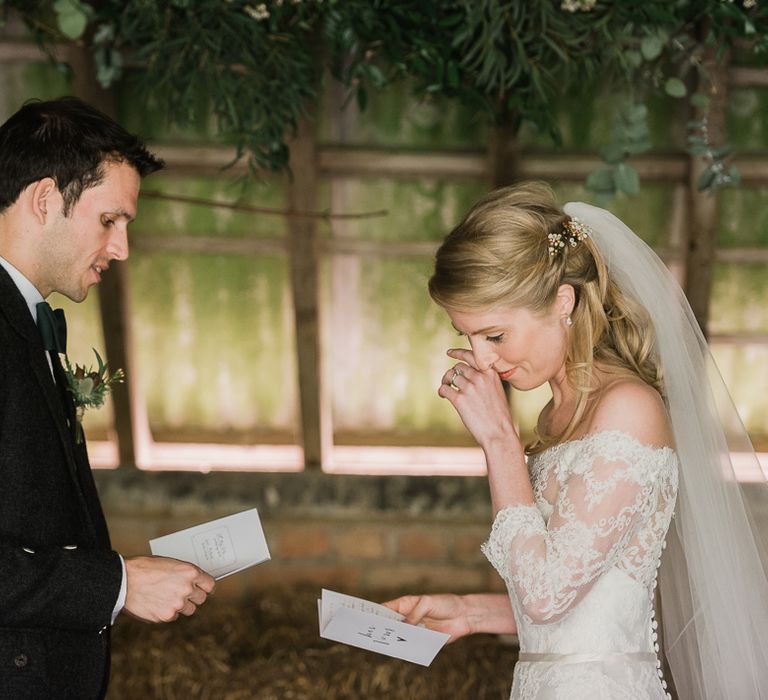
[[80, 247]]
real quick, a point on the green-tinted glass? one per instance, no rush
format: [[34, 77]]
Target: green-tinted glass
[[215, 345], [739, 301]]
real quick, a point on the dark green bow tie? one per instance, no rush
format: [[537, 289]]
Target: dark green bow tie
[[53, 327]]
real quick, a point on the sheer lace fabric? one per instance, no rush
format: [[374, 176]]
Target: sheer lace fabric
[[580, 567]]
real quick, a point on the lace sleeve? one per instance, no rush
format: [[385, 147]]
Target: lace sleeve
[[600, 504]]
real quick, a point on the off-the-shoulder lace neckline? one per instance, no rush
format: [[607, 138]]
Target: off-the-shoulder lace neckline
[[589, 437]]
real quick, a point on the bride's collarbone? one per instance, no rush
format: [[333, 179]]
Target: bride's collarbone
[[555, 420]]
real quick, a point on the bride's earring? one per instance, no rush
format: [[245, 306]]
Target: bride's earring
[[568, 321]]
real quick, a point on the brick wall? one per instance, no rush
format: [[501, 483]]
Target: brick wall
[[350, 555], [350, 533]]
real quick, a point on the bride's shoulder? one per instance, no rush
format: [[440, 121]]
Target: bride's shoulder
[[631, 406]]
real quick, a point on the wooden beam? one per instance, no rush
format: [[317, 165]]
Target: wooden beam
[[377, 162], [503, 157], [742, 256], [743, 76], [703, 206], [380, 249], [201, 159], [277, 245], [222, 245], [752, 168], [317, 435], [348, 162], [652, 168], [129, 412], [373, 162], [738, 339], [21, 52], [225, 245]]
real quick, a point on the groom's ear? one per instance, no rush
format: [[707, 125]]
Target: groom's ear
[[44, 199]]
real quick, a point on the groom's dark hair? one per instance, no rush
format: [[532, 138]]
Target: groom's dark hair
[[68, 140]]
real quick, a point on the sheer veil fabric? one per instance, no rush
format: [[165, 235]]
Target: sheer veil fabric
[[714, 590]]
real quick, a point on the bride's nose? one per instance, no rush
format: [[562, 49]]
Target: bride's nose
[[485, 355]]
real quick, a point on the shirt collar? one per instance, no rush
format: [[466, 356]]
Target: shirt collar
[[27, 289]]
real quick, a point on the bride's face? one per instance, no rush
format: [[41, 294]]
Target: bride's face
[[527, 349]]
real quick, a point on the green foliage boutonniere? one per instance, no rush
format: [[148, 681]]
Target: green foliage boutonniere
[[89, 387]]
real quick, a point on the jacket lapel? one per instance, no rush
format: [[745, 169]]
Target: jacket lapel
[[17, 312], [79, 456]]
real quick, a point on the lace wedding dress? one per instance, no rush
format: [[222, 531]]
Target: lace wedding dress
[[580, 567]]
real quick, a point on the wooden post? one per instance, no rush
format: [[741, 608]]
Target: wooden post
[[504, 169], [703, 207], [503, 154], [304, 251], [114, 299]]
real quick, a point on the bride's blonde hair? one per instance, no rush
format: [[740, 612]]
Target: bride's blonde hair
[[498, 257]]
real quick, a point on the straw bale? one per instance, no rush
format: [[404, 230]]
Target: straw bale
[[269, 648]]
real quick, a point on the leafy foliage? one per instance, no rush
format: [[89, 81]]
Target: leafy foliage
[[259, 66]]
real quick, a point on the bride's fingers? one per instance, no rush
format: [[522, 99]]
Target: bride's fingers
[[455, 375], [418, 609], [423, 609], [403, 604], [411, 607], [464, 355]]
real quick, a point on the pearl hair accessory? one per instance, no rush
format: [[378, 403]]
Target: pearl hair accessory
[[573, 232]]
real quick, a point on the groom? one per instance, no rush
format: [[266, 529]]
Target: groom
[[69, 183]]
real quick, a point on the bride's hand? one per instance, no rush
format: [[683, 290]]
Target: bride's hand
[[478, 397], [444, 612]]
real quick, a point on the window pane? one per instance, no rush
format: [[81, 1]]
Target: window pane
[[739, 299], [748, 118], [745, 371], [384, 338], [214, 342], [164, 217], [743, 217]]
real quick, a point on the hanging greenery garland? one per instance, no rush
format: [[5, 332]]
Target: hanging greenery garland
[[257, 67]]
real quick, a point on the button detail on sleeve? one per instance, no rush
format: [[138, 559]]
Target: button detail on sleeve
[[20, 661]]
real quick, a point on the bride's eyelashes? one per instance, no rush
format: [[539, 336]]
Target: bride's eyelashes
[[490, 338]]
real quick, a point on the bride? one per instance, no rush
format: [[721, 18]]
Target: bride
[[633, 439]]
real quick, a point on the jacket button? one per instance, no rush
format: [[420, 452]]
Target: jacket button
[[70, 546], [21, 661]]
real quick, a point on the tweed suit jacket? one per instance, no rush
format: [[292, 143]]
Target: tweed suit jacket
[[59, 578]]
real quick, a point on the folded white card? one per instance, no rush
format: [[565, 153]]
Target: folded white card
[[361, 623], [220, 547]]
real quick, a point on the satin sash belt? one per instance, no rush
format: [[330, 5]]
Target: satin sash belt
[[587, 658]]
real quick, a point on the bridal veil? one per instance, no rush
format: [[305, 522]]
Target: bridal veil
[[714, 590]]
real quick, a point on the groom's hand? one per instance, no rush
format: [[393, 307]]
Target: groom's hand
[[160, 589]]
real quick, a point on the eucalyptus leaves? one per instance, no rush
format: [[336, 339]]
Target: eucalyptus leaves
[[257, 67]]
